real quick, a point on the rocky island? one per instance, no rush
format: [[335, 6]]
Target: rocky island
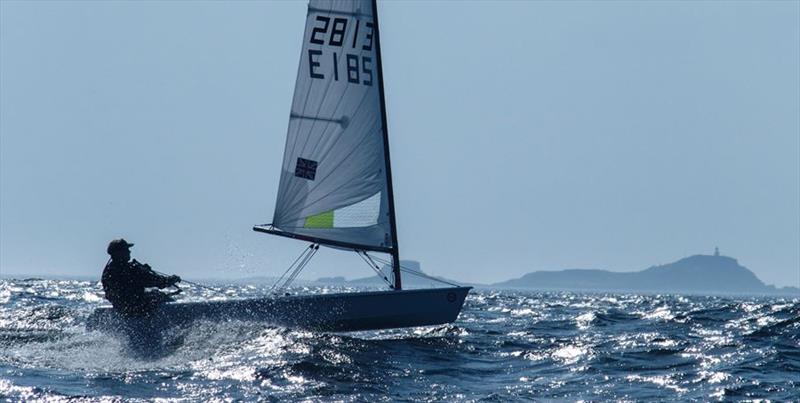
[[693, 275]]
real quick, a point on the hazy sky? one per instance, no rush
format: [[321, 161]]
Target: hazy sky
[[524, 135]]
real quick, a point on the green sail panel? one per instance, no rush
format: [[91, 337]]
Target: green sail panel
[[321, 220]]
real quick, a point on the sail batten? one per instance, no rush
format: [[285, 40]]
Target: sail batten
[[337, 12], [334, 183]]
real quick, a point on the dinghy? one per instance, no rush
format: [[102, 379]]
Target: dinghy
[[352, 311], [335, 189]]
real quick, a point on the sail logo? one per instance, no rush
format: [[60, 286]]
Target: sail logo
[[306, 169], [340, 43]]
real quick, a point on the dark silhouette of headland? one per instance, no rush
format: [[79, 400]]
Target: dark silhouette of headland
[[698, 274]]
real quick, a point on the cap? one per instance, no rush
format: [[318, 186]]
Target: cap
[[117, 244]]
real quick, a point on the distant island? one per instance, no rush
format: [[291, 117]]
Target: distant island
[[693, 275], [698, 274]]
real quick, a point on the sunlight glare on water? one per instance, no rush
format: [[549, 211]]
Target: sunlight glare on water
[[506, 345]]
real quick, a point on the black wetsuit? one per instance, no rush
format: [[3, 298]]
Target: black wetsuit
[[124, 284]]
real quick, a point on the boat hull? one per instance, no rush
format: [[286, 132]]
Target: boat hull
[[343, 312]]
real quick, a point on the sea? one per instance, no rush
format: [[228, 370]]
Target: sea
[[505, 346]]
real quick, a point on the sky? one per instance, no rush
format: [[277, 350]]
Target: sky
[[524, 135]]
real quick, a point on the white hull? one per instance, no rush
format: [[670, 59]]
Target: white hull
[[329, 312]]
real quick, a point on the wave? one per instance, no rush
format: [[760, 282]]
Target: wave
[[506, 346]]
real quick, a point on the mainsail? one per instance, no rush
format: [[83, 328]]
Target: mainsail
[[335, 184]]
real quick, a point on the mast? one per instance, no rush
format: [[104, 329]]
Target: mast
[[393, 222]]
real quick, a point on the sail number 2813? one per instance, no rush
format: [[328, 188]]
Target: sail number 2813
[[344, 65]]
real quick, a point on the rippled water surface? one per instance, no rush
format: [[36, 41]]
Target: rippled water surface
[[506, 345]]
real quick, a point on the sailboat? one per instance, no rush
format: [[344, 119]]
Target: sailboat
[[335, 188]]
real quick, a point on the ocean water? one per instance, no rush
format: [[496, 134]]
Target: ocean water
[[505, 346]]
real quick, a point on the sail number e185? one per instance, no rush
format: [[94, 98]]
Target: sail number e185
[[333, 33]]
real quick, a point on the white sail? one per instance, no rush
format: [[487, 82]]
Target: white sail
[[333, 183]]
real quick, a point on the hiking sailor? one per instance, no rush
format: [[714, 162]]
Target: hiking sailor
[[124, 282]]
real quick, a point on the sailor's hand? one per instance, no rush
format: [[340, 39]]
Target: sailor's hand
[[174, 279]]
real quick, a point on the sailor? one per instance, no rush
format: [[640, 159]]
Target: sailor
[[124, 282]]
